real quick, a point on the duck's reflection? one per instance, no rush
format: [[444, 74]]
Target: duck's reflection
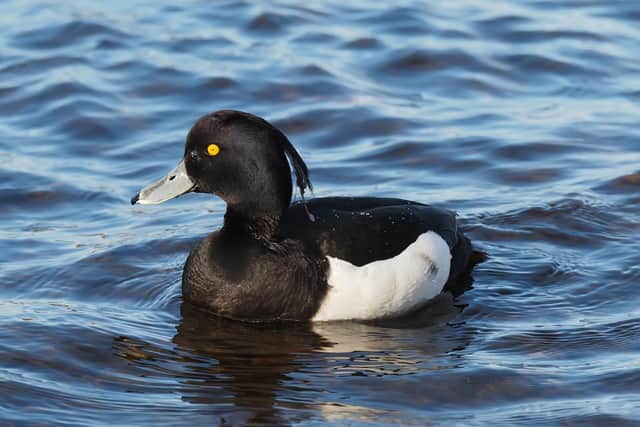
[[270, 374], [248, 363]]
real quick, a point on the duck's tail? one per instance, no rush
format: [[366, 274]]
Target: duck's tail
[[462, 262]]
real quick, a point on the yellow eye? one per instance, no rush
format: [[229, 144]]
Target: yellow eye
[[213, 150]]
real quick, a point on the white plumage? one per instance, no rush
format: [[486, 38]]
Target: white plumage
[[390, 287]]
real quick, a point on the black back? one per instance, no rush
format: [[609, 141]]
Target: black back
[[366, 229]]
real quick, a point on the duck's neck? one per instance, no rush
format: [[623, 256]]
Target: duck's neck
[[262, 226]]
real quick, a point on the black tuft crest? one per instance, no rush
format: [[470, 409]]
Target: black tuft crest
[[301, 170], [299, 166]]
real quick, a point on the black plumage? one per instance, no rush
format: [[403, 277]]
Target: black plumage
[[269, 260]]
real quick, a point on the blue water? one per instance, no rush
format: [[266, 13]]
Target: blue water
[[522, 116]]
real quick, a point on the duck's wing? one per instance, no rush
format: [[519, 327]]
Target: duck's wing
[[363, 230]]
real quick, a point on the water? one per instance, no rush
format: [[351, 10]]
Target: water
[[522, 116]]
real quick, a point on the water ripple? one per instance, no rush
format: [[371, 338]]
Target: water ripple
[[521, 116]]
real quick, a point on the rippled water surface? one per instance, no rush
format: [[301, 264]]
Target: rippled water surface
[[522, 116]]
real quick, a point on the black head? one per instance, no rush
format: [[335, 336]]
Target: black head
[[239, 157], [243, 159]]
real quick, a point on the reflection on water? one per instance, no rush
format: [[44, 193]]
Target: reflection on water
[[522, 116], [252, 371]]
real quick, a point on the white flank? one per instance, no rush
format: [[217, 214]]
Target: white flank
[[387, 288]]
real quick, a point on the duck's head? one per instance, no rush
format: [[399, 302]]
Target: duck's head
[[239, 157]]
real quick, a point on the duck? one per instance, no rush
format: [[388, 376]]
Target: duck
[[322, 259]]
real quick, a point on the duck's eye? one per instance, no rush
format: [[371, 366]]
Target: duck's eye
[[213, 150]]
